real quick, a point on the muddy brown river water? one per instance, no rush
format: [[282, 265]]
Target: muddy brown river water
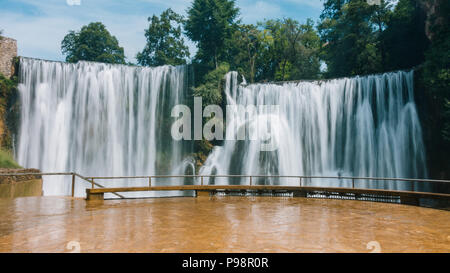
[[219, 224]]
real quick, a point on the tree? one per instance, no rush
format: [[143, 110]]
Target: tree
[[92, 43], [243, 49], [297, 46], [380, 19], [210, 23], [404, 38], [165, 44], [350, 32], [436, 73], [290, 50], [274, 50]]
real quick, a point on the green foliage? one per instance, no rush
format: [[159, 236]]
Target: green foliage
[[7, 86], [361, 39], [7, 161], [404, 40], [350, 32], [210, 90], [243, 49], [446, 129], [293, 50], [436, 74], [165, 46], [92, 43], [210, 23], [275, 50], [203, 148], [8, 94], [284, 71]]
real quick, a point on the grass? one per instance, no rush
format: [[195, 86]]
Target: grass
[[7, 161]]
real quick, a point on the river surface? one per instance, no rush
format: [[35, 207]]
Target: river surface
[[219, 224]]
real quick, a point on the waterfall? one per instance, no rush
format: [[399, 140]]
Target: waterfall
[[362, 126], [99, 120], [115, 120]]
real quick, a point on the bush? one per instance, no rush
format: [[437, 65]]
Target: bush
[[8, 110], [210, 90], [7, 161]]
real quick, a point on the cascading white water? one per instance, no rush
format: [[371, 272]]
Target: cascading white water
[[114, 120], [361, 126], [99, 120]]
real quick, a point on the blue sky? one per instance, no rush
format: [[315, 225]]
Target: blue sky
[[40, 25]]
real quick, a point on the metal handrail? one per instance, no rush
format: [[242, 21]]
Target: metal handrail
[[272, 176], [73, 174], [91, 179], [299, 177], [87, 178]]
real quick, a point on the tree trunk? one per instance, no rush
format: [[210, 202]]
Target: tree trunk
[[215, 58]]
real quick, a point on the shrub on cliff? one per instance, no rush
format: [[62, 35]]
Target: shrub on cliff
[[8, 95], [7, 87], [7, 161], [210, 91]]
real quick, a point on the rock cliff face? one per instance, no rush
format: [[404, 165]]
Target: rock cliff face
[[8, 51], [431, 8]]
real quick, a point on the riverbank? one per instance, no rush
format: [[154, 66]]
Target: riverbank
[[219, 224]]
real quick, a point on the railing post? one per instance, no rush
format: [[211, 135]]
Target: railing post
[[353, 182], [250, 180], [300, 181], [149, 181], [92, 182], [73, 185], [201, 180], [412, 185]]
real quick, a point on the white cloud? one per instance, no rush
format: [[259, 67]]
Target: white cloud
[[73, 2], [252, 12]]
